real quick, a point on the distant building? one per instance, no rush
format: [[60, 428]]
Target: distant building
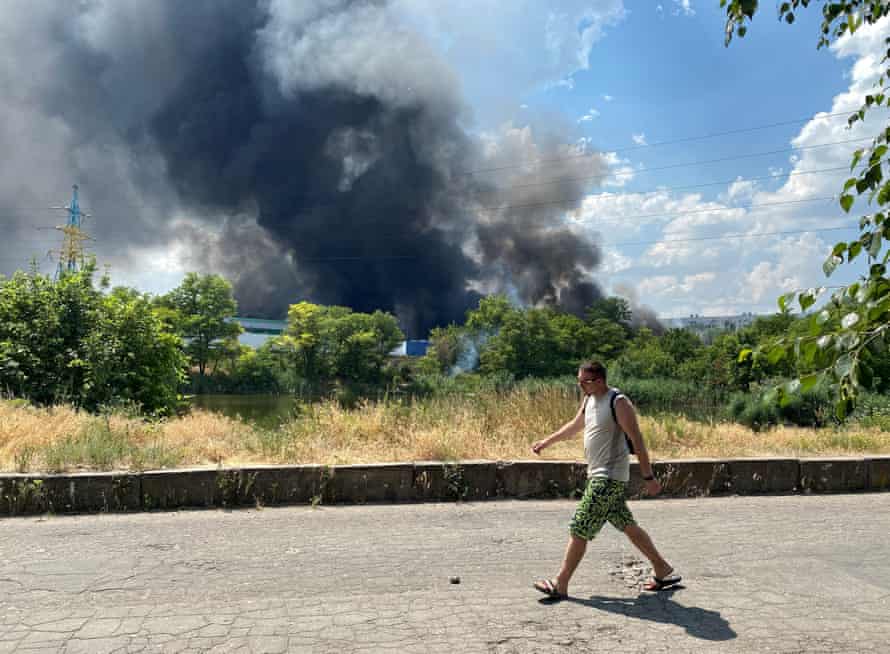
[[411, 348], [258, 330], [702, 324]]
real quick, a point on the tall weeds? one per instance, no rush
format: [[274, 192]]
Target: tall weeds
[[489, 424]]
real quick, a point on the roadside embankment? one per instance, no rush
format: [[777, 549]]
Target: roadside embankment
[[29, 494]]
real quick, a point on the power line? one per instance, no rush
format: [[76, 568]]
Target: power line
[[679, 165], [750, 207], [666, 188], [500, 189], [665, 214], [687, 139], [739, 178], [624, 243], [724, 237]]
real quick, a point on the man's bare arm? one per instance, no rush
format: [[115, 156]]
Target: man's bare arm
[[568, 430]]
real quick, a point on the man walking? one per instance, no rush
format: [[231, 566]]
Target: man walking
[[605, 415]]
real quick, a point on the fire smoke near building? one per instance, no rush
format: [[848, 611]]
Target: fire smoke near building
[[306, 150]]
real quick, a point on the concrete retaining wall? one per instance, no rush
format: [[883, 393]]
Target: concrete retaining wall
[[25, 494]]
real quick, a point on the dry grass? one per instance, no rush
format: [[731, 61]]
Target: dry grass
[[449, 428]]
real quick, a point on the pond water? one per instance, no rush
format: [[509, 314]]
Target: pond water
[[267, 411]]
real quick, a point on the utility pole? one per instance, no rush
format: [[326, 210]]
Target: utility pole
[[71, 254]]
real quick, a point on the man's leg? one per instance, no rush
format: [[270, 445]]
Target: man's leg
[[586, 522], [642, 542], [574, 553]]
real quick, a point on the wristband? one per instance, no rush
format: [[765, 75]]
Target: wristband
[[649, 478]]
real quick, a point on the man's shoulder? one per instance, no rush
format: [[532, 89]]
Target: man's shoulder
[[618, 397]]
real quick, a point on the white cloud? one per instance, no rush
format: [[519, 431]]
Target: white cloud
[[589, 116], [504, 50], [731, 275], [741, 191], [669, 286], [622, 172], [639, 139], [683, 7], [657, 285], [614, 261], [607, 97]]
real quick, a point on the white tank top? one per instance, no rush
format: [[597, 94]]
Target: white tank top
[[604, 445]]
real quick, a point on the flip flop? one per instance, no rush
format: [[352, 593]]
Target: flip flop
[[660, 583], [548, 587]]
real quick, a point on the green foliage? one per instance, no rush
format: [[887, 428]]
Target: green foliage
[[607, 339], [760, 410], [873, 410], [246, 370], [681, 345], [536, 343], [43, 326], [613, 309], [645, 358], [200, 310], [326, 343], [131, 358], [853, 325], [838, 18], [687, 397], [453, 349], [65, 341]]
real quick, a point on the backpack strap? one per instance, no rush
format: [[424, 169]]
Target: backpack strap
[[613, 396]]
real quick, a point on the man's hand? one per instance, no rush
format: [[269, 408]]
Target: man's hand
[[653, 488], [537, 446]]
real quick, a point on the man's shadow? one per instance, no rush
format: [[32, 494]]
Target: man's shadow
[[660, 607]]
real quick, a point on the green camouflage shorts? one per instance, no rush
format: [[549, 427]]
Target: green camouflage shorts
[[603, 500]]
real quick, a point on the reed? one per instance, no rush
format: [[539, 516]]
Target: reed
[[487, 425]]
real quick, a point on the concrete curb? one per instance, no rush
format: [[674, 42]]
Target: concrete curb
[[27, 494]]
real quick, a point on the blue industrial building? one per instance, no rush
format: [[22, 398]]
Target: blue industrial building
[[258, 330]]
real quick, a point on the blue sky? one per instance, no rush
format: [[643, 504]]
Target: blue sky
[[657, 72]]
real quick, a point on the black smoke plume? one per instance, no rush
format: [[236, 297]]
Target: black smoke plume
[[308, 150]]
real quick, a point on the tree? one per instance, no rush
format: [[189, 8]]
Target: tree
[[131, 357], [65, 341], [645, 358], [43, 326], [614, 309], [330, 342], [536, 343], [608, 339], [491, 314], [681, 344], [448, 346], [853, 325], [200, 310]]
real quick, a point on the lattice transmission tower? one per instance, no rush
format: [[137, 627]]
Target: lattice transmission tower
[[71, 254]]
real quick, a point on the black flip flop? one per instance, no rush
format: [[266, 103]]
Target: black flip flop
[[548, 587], [660, 583]]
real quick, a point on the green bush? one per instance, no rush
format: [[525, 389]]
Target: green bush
[[753, 411], [64, 340], [873, 410], [672, 396], [760, 410]]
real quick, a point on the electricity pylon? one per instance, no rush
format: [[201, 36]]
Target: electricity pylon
[[71, 254]]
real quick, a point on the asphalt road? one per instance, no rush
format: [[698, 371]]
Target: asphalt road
[[761, 574]]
